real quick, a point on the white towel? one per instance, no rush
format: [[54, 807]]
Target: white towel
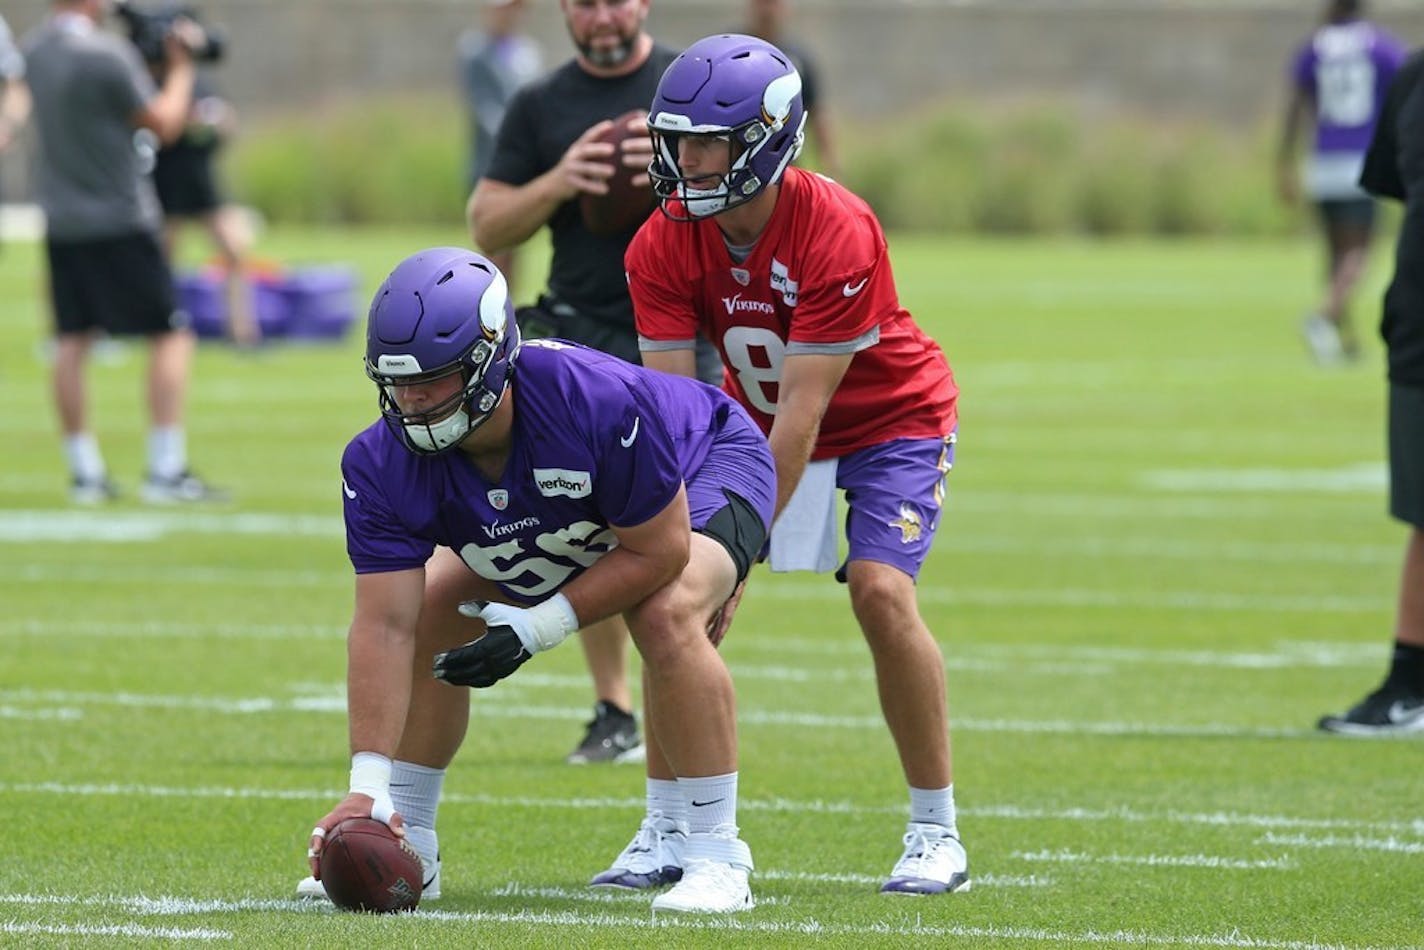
[[804, 537]]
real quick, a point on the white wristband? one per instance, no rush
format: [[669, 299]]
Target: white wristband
[[551, 622], [371, 775]]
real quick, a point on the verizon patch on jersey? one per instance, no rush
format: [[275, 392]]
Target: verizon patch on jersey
[[561, 481]]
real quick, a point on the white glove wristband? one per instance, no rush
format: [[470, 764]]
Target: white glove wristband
[[371, 775], [550, 623]]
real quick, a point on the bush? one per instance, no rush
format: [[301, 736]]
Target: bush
[[382, 161], [1016, 168], [1042, 168]]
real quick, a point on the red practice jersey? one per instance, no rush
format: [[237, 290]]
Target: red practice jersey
[[817, 281]]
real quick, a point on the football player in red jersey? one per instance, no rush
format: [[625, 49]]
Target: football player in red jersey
[[788, 273]]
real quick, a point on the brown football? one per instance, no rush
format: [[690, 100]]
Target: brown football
[[365, 867], [626, 206]]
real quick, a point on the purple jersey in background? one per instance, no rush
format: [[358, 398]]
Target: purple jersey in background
[[1345, 68], [596, 442]]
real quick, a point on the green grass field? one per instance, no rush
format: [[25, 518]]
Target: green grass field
[[1165, 555]]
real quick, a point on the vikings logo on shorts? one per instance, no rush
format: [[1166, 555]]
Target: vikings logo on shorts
[[909, 523]]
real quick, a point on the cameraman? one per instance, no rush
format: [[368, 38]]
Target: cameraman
[[107, 271]]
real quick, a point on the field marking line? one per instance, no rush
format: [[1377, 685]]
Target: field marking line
[[1353, 842], [1159, 860], [113, 930], [773, 805], [335, 703], [1288, 654], [777, 590], [808, 926], [81, 527]]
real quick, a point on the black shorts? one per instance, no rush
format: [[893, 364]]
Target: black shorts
[[1356, 213], [740, 530], [1406, 453], [185, 182], [550, 318], [121, 285]]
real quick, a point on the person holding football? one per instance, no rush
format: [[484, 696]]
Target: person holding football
[[510, 494]]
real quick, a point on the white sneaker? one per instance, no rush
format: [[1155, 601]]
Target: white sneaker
[[934, 862], [653, 858], [181, 488], [716, 866], [309, 888], [1323, 338]]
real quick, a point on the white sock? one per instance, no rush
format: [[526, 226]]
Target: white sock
[[86, 463], [934, 806], [167, 452], [664, 796], [711, 801], [415, 791]]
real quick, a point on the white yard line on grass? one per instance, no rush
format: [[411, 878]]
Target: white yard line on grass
[[1352, 843], [674, 922], [1412, 826], [1213, 861], [1019, 657], [113, 930], [335, 703]]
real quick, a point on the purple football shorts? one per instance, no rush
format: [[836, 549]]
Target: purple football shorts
[[895, 493]]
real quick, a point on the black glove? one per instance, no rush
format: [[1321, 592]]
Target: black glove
[[483, 662]]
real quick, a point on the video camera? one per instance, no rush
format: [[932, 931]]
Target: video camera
[[149, 28]]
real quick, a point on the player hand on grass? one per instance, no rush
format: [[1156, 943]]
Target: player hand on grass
[[370, 797]]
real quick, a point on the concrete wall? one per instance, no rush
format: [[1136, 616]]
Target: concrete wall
[[1220, 60]]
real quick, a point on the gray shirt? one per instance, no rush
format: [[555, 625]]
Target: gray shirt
[[87, 86]]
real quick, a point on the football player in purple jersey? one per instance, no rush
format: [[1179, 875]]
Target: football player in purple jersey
[[1338, 76], [509, 494]]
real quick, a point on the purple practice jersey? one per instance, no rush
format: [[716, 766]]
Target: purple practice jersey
[[596, 441], [1346, 68]]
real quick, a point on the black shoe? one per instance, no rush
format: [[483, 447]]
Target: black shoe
[[612, 737], [183, 487], [1389, 711]]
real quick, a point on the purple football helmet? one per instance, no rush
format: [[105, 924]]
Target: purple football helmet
[[444, 310], [738, 87]]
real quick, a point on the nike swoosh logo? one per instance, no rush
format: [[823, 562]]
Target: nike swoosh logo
[[1401, 712], [347, 489], [628, 441], [697, 804], [850, 290]]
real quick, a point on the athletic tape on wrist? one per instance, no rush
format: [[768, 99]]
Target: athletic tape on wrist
[[551, 622], [371, 775]]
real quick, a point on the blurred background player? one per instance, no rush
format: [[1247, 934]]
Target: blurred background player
[[1338, 78], [186, 178], [1394, 168], [107, 270], [852, 394], [545, 157], [494, 62], [14, 92], [767, 19]]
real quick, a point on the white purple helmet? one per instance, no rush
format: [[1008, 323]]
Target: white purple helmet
[[442, 311], [730, 85]]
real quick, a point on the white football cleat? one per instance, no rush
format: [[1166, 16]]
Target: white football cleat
[[934, 862], [653, 858], [715, 869]]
